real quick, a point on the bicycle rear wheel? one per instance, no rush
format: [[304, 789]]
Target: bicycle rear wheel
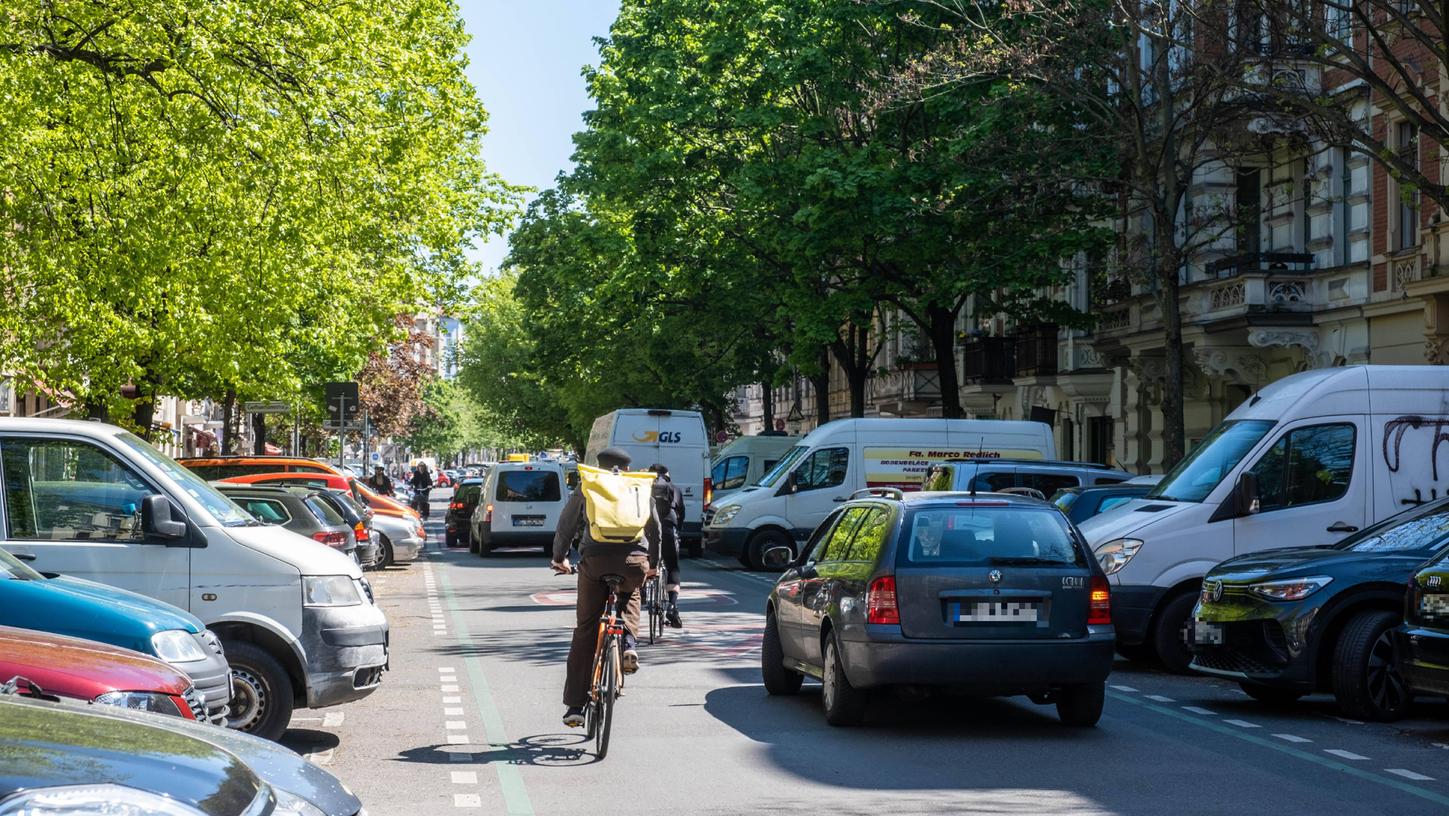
[[608, 692], [655, 593]]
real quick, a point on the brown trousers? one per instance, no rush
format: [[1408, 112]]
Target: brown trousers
[[593, 592]]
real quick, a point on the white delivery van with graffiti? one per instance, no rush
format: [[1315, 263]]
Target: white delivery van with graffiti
[[675, 439], [843, 456], [1303, 463]]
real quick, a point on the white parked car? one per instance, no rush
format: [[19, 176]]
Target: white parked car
[[519, 506]]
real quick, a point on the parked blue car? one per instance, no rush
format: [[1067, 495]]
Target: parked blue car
[[85, 609]]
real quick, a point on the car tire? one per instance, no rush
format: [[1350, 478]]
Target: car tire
[[1081, 706], [1167, 633], [762, 541], [779, 680], [1271, 695], [1366, 679], [1137, 652], [384, 552], [472, 544], [844, 704], [261, 697]]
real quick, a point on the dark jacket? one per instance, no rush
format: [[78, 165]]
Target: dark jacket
[[571, 523], [669, 507]]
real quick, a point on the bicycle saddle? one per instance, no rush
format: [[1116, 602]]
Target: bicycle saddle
[[612, 580]]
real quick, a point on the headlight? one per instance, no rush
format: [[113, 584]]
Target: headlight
[[290, 804], [93, 800], [723, 515], [177, 646], [1294, 589], [141, 701], [1114, 555], [329, 590]]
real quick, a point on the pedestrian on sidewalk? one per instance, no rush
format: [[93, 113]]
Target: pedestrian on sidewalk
[[635, 561]]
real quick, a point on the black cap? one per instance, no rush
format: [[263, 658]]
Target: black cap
[[662, 470], [614, 458]]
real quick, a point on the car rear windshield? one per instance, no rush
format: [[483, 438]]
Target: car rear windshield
[[469, 494], [527, 486], [1427, 531], [324, 512], [972, 535]]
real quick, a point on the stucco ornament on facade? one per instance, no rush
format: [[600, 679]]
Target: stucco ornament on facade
[[1240, 365]]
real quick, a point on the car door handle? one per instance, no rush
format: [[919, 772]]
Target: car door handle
[[839, 499], [23, 556], [1342, 527]]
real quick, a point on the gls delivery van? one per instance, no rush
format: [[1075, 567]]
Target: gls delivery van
[[1303, 463], [676, 439], [846, 455], [295, 617]]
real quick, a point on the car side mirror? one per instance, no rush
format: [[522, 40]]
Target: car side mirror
[[777, 558], [1246, 494], [158, 519], [788, 487]]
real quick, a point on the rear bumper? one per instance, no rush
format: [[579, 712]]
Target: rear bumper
[[515, 538], [347, 651], [726, 540], [1424, 658], [1132, 608], [881, 656], [406, 549]]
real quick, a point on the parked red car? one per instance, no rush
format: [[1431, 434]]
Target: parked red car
[[96, 672]]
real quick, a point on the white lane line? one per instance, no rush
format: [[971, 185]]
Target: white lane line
[[446, 670], [1242, 723], [467, 800], [333, 719], [1127, 689], [1292, 738], [1198, 710], [450, 688], [456, 725], [447, 700], [320, 757], [465, 777], [455, 756], [453, 712], [1159, 698], [458, 739], [1342, 754], [1408, 774]]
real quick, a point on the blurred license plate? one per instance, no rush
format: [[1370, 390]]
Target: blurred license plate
[[528, 521], [994, 612], [1208, 634]]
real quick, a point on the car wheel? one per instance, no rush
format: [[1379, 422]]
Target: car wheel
[[778, 679], [261, 691], [1167, 636], [1137, 653], [472, 543], [1081, 706], [384, 552], [1271, 695], [450, 538], [844, 703], [1366, 679], [762, 541]]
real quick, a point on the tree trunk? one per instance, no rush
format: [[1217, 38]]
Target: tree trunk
[[1173, 419], [143, 413], [259, 434], [853, 354], [943, 342], [228, 423], [821, 384], [767, 399]]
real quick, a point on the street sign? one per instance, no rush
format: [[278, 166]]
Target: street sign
[[342, 401], [267, 407], [334, 425]]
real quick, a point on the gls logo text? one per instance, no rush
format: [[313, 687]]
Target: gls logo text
[[660, 437]]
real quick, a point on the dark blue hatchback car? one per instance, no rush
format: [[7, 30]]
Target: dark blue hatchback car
[[977, 593]]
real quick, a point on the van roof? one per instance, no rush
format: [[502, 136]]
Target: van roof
[[655, 412], [1350, 390], [88, 427], [931, 425]]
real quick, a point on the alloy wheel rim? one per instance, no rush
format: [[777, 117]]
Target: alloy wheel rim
[[1385, 686], [248, 700], [828, 680]]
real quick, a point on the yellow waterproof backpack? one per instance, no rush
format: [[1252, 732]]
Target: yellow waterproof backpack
[[617, 505]]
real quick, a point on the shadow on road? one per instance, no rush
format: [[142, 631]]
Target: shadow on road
[[542, 750]]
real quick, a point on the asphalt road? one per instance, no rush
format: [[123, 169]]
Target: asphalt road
[[467, 721]]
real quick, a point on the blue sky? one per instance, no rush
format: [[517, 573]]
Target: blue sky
[[526, 57]]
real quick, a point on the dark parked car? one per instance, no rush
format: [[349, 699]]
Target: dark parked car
[[299, 509], [185, 768], [458, 527], [1423, 640], [358, 517], [1289, 622], [984, 594], [1081, 503]]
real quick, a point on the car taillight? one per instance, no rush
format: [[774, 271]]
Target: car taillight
[[488, 514], [708, 491], [456, 506], [359, 532], [880, 601], [336, 541], [1099, 610]]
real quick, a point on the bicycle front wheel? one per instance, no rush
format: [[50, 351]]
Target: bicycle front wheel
[[608, 692]]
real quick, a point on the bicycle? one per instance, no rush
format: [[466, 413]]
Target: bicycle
[[654, 601], [420, 502], [608, 671]]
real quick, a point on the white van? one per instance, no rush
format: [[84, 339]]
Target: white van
[[1303, 463], [745, 461], [295, 618], [676, 439], [519, 506], [846, 455]]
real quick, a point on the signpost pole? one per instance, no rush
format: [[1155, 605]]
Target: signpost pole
[[341, 429]]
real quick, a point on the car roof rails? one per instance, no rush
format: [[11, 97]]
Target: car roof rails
[[894, 493]]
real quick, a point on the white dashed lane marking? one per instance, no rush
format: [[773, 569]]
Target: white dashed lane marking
[[1294, 738], [467, 800], [1127, 689], [333, 719], [465, 777], [1200, 710], [1242, 723], [458, 739], [1159, 698], [453, 712], [455, 725], [1408, 774], [1342, 754]]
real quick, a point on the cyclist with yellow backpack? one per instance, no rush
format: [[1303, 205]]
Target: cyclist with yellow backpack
[[612, 512]]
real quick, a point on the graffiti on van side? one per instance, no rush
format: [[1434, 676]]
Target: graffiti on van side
[[1419, 497], [1394, 431]]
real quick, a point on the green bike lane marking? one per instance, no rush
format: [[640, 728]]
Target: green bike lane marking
[[1405, 787], [510, 780]]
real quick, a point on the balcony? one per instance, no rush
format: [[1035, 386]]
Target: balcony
[[1036, 351], [912, 389], [988, 361], [1280, 263]]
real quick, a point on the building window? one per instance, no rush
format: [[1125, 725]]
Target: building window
[[1406, 228]]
